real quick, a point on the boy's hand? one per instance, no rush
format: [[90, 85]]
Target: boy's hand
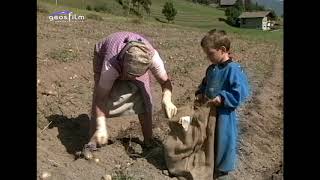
[[200, 99], [217, 101]]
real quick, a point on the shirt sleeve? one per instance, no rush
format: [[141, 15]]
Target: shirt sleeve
[[157, 68], [108, 75], [239, 89]]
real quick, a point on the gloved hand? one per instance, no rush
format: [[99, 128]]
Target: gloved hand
[[101, 134], [169, 107]]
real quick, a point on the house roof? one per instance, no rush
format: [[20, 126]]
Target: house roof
[[227, 2], [254, 14]]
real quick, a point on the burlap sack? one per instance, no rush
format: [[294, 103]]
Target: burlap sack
[[190, 154]]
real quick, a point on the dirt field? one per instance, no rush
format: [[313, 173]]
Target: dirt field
[[65, 80]]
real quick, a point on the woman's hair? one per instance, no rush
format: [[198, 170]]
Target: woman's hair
[[216, 39]]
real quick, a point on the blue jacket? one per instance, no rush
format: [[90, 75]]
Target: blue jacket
[[228, 81]]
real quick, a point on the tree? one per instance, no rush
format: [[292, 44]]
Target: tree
[[206, 2], [273, 15], [89, 8], [234, 12], [248, 5], [239, 5], [232, 15], [169, 11], [126, 6], [135, 6], [145, 5]]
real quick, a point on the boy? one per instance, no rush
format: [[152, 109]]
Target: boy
[[226, 87]]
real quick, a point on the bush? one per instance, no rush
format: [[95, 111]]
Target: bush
[[274, 15], [146, 5], [42, 9], [234, 12], [125, 6], [101, 8], [135, 6], [232, 15], [88, 8], [169, 11], [206, 2], [94, 17], [138, 20]]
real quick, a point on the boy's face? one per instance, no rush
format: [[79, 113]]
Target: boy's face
[[215, 55]]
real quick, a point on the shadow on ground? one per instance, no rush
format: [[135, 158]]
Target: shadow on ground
[[73, 132]]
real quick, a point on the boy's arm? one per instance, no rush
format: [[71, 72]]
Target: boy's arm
[[239, 90]]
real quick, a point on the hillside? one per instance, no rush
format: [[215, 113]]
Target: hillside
[[190, 15]]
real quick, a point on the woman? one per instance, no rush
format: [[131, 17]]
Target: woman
[[121, 65]]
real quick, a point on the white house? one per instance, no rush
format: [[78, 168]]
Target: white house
[[260, 20]]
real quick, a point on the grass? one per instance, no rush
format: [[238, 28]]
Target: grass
[[137, 20], [94, 16], [120, 175], [190, 15], [111, 5], [258, 35], [42, 8], [63, 55]]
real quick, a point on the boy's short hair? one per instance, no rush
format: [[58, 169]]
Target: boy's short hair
[[216, 39]]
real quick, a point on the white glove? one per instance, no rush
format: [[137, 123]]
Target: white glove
[[185, 122], [169, 107], [101, 134]]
